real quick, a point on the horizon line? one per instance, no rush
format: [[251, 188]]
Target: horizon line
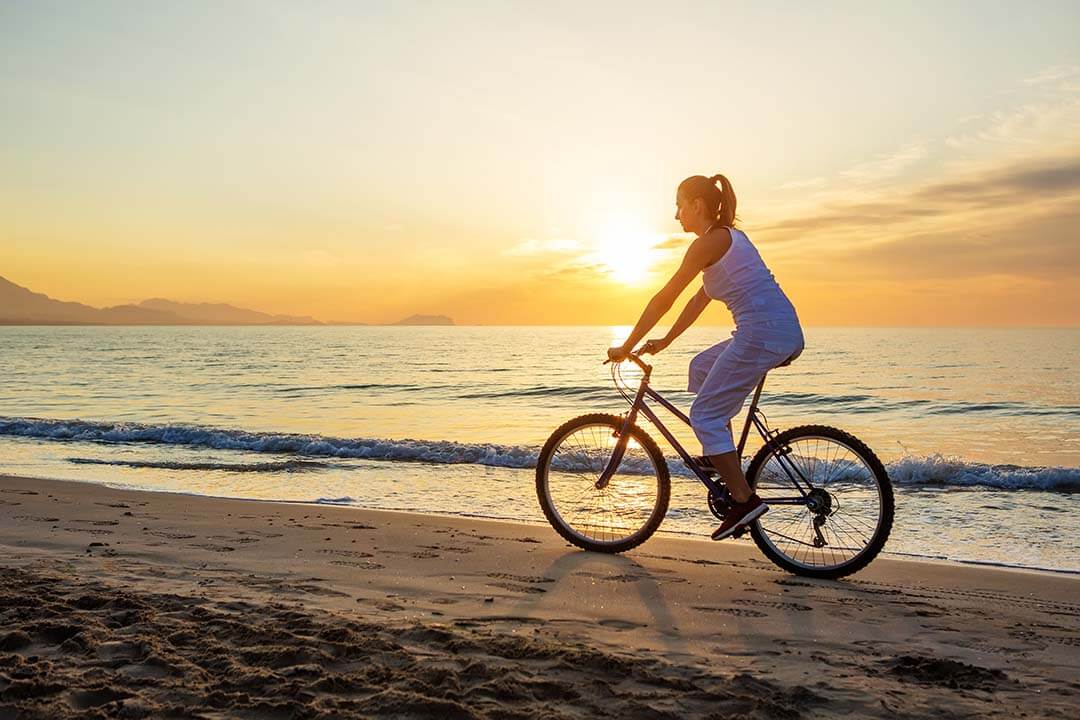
[[335, 323]]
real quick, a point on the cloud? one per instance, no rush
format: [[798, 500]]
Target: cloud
[[1049, 111], [531, 246], [1027, 125], [1017, 184], [1011, 188], [1040, 247], [674, 242], [1054, 74], [886, 166], [576, 272]]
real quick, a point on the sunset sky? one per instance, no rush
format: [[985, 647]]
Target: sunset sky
[[504, 163]]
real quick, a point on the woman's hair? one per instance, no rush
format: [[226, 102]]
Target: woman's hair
[[720, 201]]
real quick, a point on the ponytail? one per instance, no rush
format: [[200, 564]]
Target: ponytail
[[726, 212], [720, 201]]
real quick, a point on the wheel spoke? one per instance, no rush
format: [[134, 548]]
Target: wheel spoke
[[629, 505], [848, 494]]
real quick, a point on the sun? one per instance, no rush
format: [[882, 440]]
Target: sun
[[626, 251]]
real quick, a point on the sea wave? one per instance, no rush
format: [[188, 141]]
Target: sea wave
[[854, 403], [440, 451], [912, 472], [284, 466], [344, 500], [940, 471]]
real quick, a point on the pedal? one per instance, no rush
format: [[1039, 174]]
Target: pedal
[[739, 533]]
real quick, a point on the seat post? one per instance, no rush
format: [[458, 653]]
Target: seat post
[[750, 414]]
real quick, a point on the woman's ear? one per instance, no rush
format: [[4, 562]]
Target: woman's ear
[[699, 206]]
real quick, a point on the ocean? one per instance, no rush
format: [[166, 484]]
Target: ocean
[[979, 428]]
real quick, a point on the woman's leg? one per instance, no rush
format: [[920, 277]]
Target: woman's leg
[[703, 363], [730, 469], [734, 374]]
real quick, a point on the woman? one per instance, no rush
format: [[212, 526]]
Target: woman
[[767, 332]]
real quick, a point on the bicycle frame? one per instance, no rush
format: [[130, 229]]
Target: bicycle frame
[[753, 417]]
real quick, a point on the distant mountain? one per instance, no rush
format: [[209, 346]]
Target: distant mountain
[[20, 306], [222, 314], [425, 320]]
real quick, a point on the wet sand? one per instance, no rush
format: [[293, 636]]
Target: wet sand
[[118, 603]]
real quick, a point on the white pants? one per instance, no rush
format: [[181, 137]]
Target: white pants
[[725, 374]]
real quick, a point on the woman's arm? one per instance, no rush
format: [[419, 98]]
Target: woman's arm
[[690, 313], [701, 253]]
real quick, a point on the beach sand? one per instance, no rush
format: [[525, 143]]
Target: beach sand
[[117, 603]]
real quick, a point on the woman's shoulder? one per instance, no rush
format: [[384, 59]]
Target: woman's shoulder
[[717, 242]]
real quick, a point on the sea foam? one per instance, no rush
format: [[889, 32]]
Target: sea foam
[[913, 472]]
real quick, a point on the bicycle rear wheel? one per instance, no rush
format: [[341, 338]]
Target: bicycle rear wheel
[[618, 517], [850, 511]]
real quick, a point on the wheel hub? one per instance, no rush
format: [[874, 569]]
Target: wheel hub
[[819, 502]]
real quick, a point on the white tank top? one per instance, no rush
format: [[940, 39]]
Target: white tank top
[[741, 281]]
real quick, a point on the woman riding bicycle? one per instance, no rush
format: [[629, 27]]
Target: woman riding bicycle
[[767, 332]]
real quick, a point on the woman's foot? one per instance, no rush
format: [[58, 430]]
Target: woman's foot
[[740, 515]]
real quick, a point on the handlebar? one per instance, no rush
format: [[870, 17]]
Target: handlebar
[[635, 357]]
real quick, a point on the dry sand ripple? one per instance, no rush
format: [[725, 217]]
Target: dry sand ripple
[[85, 650], [210, 608]]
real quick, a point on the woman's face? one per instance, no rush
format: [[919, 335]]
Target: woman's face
[[689, 213]]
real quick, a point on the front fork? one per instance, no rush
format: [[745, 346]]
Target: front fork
[[623, 435]]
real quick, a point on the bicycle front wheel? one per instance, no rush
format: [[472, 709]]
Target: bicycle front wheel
[[623, 514], [845, 518]]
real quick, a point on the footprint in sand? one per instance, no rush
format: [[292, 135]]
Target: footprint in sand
[[238, 540], [776, 604], [385, 606], [621, 624], [212, 547], [86, 699], [448, 548], [736, 611], [521, 578], [517, 587], [346, 553], [944, 672], [361, 564], [350, 526]]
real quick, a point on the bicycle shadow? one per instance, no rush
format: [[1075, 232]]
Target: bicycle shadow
[[608, 568]]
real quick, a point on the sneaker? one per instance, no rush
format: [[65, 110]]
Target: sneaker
[[739, 516]]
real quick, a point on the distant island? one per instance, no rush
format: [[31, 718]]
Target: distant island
[[425, 320], [21, 306]]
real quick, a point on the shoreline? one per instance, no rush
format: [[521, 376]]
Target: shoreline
[[540, 527], [185, 605]]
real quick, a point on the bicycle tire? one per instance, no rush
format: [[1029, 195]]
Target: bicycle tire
[[663, 479], [886, 512]]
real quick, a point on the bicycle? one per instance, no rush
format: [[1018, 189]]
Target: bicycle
[[604, 485]]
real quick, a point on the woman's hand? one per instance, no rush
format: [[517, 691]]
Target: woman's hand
[[617, 354], [655, 345]]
